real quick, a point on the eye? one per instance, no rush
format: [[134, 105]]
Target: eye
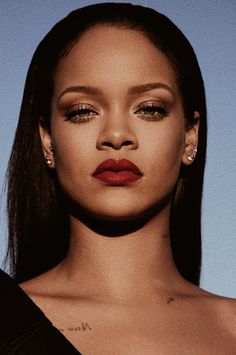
[[152, 111], [80, 113]]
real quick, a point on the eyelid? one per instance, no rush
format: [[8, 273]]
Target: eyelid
[[81, 106], [74, 113], [151, 103], [157, 111]]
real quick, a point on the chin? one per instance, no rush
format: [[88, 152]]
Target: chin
[[106, 213], [118, 209], [117, 214]]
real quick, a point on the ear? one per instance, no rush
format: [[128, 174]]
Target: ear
[[46, 141], [191, 141]]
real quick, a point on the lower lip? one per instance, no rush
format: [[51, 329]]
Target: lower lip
[[118, 178]]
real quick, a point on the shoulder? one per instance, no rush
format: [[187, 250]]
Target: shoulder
[[220, 310], [42, 285], [46, 291], [23, 325], [224, 314], [226, 311], [212, 316], [220, 304]]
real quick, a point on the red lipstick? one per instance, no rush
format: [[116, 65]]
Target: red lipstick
[[117, 172]]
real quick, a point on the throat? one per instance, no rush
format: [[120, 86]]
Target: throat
[[127, 268]]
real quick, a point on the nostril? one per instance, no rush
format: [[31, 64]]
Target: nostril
[[107, 144], [127, 143], [117, 144]]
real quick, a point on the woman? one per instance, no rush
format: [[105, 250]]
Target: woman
[[105, 183]]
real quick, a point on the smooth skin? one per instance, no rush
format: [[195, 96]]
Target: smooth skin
[[118, 290]]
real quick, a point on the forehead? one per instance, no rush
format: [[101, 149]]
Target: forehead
[[107, 53]]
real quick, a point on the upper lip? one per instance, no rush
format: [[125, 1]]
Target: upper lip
[[117, 165]]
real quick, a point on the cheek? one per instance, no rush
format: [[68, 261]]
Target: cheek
[[163, 150], [73, 150], [166, 143]]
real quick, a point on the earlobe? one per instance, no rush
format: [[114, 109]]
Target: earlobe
[[48, 151], [191, 141]]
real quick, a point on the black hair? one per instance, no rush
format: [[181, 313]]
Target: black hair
[[38, 223]]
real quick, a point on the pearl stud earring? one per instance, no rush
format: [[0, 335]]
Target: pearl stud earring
[[192, 156], [48, 161]]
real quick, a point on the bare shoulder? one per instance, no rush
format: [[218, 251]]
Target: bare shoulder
[[42, 289], [221, 310], [225, 314], [226, 311], [219, 303]]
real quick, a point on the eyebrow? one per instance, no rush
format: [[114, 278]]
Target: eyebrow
[[90, 90], [80, 89], [148, 87]]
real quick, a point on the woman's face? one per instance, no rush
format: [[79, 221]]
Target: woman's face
[[116, 97]]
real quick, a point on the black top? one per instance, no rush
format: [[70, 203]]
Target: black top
[[24, 329]]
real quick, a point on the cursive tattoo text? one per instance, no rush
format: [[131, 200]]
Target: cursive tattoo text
[[82, 327]]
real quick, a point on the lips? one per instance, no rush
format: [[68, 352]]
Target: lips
[[117, 172]]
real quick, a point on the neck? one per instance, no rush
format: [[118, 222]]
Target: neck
[[121, 260]]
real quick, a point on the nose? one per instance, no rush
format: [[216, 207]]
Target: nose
[[117, 134]]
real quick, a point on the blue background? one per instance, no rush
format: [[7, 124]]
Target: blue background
[[210, 26]]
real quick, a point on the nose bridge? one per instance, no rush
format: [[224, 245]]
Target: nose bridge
[[116, 120], [116, 130]]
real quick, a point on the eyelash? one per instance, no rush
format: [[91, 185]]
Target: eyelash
[[147, 111], [80, 114], [151, 111]]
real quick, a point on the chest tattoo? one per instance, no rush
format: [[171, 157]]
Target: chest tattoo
[[82, 327]]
